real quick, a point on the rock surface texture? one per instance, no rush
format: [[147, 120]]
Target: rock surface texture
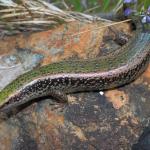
[[112, 120]]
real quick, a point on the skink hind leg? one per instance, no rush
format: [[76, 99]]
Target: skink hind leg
[[7, 113], [3, 116], [60, 96], [14, 108]]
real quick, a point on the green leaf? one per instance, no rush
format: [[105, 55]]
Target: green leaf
[[146, 4], [77, 5], [106, 4]]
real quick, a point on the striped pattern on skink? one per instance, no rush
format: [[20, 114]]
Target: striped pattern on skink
[[58, 79]]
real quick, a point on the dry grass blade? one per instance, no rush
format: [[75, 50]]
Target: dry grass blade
[[17, 15], [28, 15]]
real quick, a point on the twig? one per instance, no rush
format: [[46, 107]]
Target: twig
[[101, 27], [93, 8]]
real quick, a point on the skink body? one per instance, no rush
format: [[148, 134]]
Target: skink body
[[59, 79]]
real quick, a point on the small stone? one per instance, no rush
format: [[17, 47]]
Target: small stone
[[101, 93]]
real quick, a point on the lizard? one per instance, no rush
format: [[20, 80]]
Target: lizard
[[59, 79]]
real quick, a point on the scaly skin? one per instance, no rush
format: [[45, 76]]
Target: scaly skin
[[58, 79]]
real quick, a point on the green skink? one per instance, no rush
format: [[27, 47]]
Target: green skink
[[58, 79]]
